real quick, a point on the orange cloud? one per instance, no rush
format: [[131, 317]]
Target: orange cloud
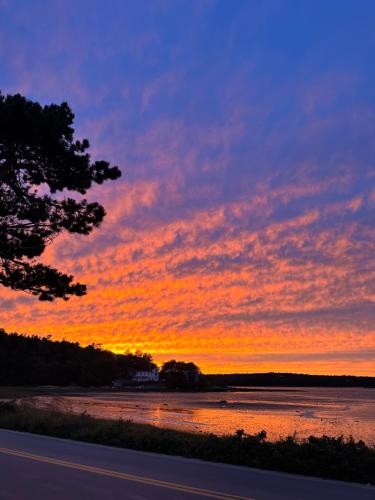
[[210, 288]]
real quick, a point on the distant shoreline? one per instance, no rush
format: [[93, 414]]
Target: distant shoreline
[[16, 392], [295, 380]]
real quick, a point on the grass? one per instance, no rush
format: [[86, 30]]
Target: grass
[[327, 457]]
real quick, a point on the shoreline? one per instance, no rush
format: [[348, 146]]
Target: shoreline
[[326, 457], [13, 392]]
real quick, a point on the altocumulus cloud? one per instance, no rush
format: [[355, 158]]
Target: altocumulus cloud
[[242, 233]]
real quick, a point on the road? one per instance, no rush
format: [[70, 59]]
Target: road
[[34, 467]]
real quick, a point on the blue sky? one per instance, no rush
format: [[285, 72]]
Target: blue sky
[[245, 132]]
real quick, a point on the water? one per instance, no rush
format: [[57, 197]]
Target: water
[[281, 412]]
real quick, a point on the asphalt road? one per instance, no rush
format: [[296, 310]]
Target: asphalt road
[[34, 467]]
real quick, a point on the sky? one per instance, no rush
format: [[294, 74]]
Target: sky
[[241, 235]]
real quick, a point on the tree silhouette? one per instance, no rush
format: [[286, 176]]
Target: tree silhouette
[[33, 360], [38, 158], [179, 374]]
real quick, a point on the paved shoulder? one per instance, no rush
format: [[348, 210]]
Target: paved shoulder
[[33, 466]]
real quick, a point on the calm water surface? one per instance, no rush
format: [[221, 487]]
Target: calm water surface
[[280, 412]]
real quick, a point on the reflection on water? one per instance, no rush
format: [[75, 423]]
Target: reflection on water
[[317, 411]]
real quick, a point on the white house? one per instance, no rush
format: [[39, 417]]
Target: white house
[[146, 375]]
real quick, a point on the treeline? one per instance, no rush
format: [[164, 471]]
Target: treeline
[[288, 380], [34, 360], [41, 361]]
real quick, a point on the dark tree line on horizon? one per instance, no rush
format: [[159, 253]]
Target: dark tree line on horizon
[[37, 360], [288, 380], [33, 361]]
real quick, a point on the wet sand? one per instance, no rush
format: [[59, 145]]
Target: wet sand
[[307, 411]]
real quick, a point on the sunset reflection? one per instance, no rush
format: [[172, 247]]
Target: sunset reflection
[[305, 411]]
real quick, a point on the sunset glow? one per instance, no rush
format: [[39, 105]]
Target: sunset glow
[[241, 235]]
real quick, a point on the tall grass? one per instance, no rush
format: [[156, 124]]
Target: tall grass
[[328, 457]]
